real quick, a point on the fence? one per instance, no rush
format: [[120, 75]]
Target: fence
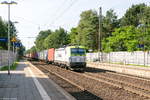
[[4, 57], [137, 57]]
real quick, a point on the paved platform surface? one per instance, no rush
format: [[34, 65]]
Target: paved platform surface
[[29, 83]]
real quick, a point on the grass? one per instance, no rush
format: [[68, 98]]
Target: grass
[[12, 67], [131, 64], [137, 65], [121, 63]]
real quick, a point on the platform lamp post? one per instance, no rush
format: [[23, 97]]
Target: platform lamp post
[[8, 3]]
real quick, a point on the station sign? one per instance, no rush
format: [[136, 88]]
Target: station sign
[[17, 44], [3, 39], [141, 46]]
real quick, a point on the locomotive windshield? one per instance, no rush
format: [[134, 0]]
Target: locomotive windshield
[[77, 51]]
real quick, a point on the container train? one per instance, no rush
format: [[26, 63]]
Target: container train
[[70, 57]]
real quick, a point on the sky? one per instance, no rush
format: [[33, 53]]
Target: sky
[[36, 15]]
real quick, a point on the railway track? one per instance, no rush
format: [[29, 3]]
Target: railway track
[[126, 82], [141, 90], [101, 84], [80, 92]]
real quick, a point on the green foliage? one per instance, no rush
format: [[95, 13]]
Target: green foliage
[[135, 15], [40, 39], [110, 22], [73, 36], [31, 50], [146, 16], [3, 33], [86, 33], [127, 38], [13, 31], [56, 39], [134, 31], [87, 30], [145, 37], [21, 51], [12, 67]]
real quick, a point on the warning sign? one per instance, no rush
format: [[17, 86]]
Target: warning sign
[[13, 39]]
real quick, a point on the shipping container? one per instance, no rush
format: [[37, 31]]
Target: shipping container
[[34, 55], [43, 55], [50, 57]]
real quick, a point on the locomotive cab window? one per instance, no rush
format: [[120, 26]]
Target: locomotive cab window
[[77, 51]]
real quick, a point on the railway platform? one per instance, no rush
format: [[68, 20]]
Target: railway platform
[[29, 83], [126, 69]]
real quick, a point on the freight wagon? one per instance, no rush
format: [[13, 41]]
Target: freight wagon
[[32, 56]]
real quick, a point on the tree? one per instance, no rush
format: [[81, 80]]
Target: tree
[[56, 39], [144, 38], [40, 39], [31, 50], [21, 50], [146, 17], [73, 36], [134, 15], [124, 34], [3, 33], [88, 29], [132, 31], [110, 22], [125, 38]]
